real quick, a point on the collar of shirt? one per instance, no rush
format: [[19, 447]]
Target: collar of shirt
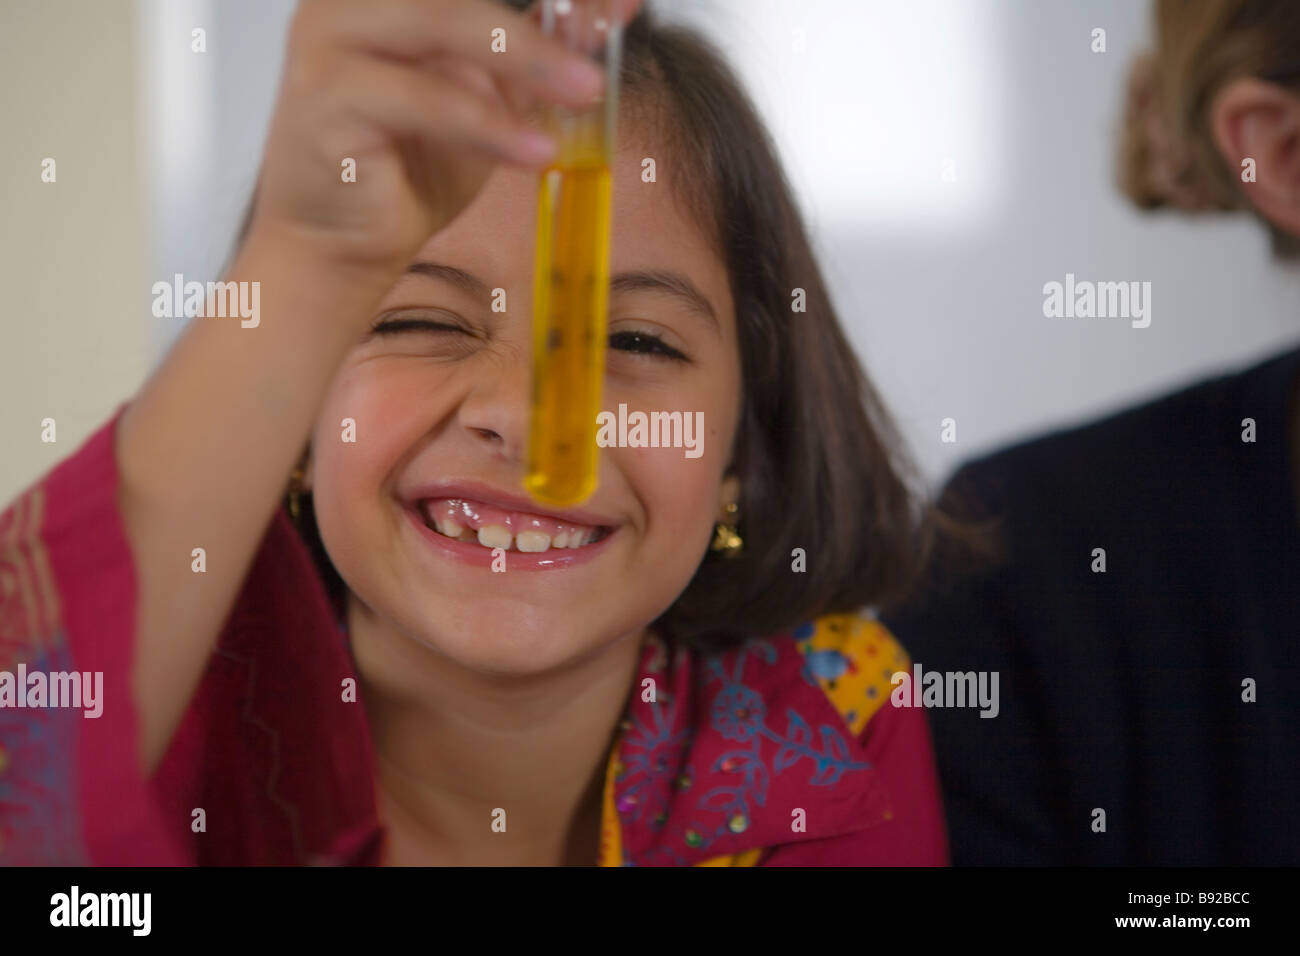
[[731, 753]]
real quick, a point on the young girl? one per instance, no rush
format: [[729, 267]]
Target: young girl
[[673, 673]]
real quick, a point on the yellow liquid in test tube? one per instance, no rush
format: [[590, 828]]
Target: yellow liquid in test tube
[[570, 299]]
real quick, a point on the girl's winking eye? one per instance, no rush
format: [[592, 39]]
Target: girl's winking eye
[[391, 325], [434, 335], [639, 342]]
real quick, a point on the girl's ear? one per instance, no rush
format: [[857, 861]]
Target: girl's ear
[[1257, 131]]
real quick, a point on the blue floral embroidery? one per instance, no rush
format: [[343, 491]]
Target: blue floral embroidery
[[38, 793], [646, 754], [737, 712]]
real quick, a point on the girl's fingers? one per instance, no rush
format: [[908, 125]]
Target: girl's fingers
[[438, 110], [469, 75], [504, 42], [482, 83]]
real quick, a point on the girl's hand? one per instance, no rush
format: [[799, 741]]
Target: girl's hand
[[414, 93]]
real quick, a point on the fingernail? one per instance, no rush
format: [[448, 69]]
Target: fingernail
[[583, 78], [535, 147]]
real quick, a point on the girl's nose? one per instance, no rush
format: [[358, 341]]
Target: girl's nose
[[495, 409]]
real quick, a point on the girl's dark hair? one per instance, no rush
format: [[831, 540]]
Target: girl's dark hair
[[821, 466]]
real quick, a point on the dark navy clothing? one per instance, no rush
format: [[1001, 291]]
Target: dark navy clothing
[[1123, 690]]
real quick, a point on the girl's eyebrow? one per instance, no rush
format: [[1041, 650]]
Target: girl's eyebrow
[[466, 281], [671, 283]]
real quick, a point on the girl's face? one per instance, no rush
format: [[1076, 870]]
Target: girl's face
[[441, 410]]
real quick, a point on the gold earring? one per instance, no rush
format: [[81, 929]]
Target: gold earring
[[725, 536], [295, 489]]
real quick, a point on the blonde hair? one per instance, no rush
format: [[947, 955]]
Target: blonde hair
[[1168, 156]]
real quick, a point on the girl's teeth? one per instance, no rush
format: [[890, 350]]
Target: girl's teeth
[[495, 536], [499, 536], [532, 541]]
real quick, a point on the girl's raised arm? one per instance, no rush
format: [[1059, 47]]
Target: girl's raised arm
[[419, 96]]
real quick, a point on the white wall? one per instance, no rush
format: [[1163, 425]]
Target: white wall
[[941, 282], [72, 263]]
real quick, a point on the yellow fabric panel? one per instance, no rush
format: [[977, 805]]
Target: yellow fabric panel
[[863, 655], [611, 836]]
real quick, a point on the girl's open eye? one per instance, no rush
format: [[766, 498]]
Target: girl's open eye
[[645, 343]]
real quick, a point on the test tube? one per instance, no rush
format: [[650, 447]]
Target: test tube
[[571, 272]]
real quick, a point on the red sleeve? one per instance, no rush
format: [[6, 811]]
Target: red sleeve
[[71, 787]]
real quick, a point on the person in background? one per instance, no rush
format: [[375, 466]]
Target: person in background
[[1140, 600]]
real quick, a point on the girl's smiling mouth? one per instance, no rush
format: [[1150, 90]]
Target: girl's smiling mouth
[[492, 527], [477, 524]]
